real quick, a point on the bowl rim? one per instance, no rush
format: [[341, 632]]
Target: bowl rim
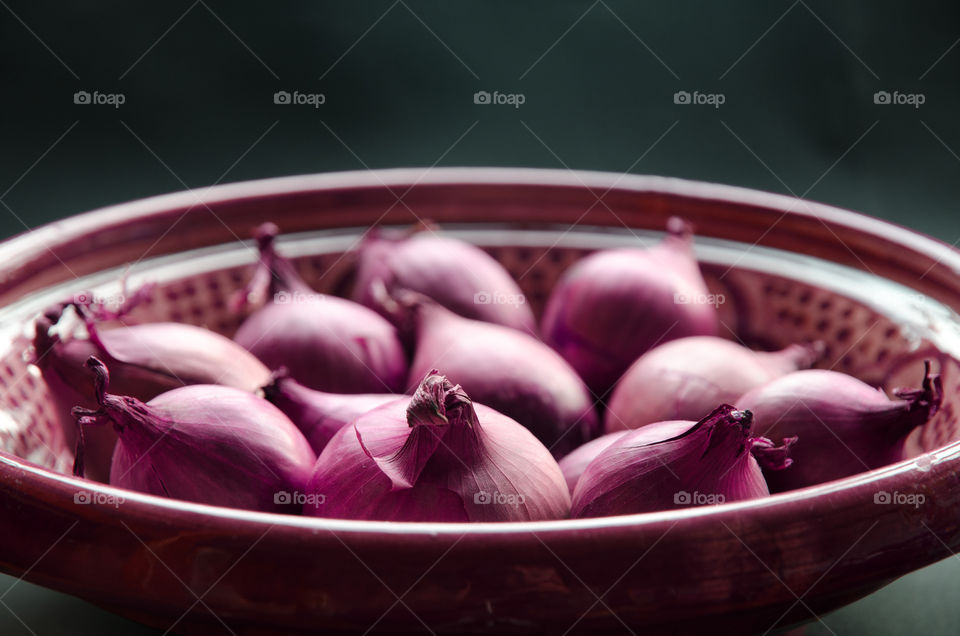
[[59, 486], [65, 230]]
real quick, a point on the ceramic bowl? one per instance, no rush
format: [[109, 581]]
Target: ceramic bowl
[[883, 298]]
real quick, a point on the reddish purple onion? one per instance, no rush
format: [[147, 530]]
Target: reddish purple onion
[[327, 343], [657, 468], [612, 306], [317, 414], [847, 426], [685, 379], [146, 360], [573, 464], [460, 276], [436, 457], [204, 443], [503, 368]]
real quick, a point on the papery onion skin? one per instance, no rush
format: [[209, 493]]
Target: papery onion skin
[[574, 463], [319, 415], [577, 461], [437, 456], [614, 305], [503, 368], [203, 443], [456, 274], [845, 425], [710, 462], [327, 343], [146, 360], [685, 379]]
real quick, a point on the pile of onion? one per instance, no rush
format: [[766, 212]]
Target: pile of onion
[[145, 359], [503, 368], [847, 426], [453, 273], [301, 412], [204, 443], [614, 305], [685, 379], [678, 464], [327, 343], [437, 456]]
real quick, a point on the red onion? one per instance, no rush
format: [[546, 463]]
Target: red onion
[[847, 426], [327, 343], [460, 276], [612, 306], [204, 443], [657, 468], [146, 360], [437, 457], [573, 464], [319, 415], [685, 379], [503, 368]]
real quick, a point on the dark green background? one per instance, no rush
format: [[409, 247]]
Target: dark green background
[[598, 80]]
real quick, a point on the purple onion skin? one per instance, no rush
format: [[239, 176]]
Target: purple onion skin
[[573, 464], [643, 472], [327, 343], [612, 306], [460, 276], [317, 414], [146, 360], [845, 426], [335, 345], [685, 379], [471, 466], [151, 358], [207, 444], [508, 371]]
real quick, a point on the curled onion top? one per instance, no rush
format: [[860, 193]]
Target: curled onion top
[[436, 456]]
